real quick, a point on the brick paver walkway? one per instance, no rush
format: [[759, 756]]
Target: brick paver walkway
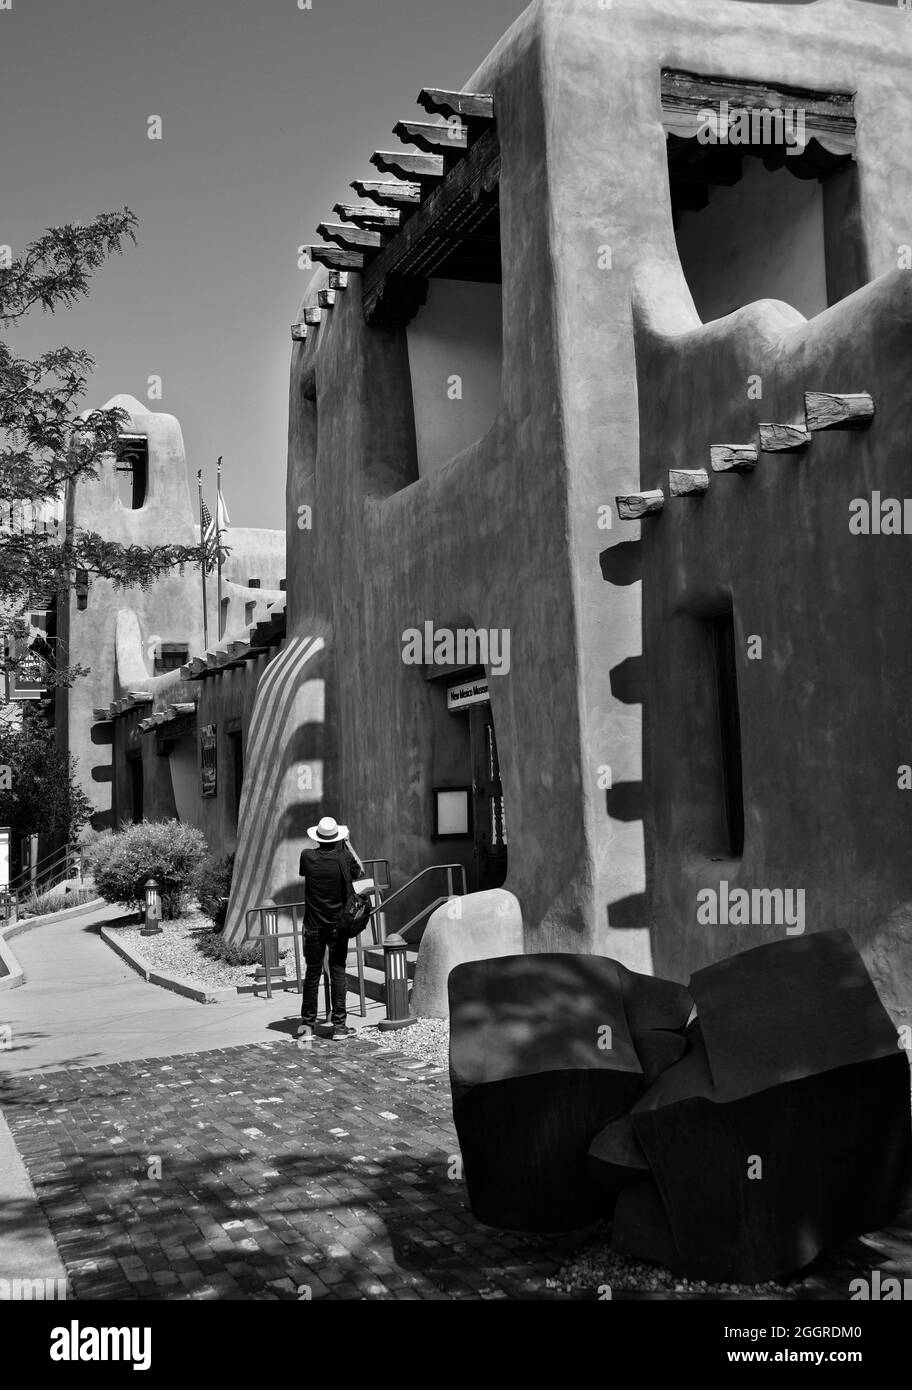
[[264, 1171]]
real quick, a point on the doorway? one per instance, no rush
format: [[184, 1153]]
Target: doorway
[[488, 807]]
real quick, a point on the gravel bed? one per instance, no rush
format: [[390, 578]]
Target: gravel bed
[[427, 1040], [176, 952], [597, 1264]]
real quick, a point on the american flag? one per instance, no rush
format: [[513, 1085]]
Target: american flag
[[208, 526]]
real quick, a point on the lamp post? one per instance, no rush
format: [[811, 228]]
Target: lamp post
[[395, 959], [152, 924]]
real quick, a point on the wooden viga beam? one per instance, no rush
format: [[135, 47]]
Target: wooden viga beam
[[825, 411], [371, 218], [635, 505], [449, 139], [358, 239], [426, 168], [783, 439], [468, 106], [392, 193], [335, 258]]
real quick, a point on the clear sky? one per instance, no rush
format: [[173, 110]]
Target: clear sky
[[268, 111]]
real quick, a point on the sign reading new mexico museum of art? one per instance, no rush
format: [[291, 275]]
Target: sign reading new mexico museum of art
[[468, 693]]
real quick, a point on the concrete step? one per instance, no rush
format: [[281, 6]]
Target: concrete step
[[374, 975]]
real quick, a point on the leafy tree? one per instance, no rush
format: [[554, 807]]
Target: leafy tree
[[48, 440], [38, 790]]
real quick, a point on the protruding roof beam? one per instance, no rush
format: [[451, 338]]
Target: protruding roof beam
[[733, 458], [635, 505], [688, 482], [827, 411], [389, 192], [426, 168], [336, 259], [447, 139], [468, 106], [298, 332], [350, 238], [326, 298], [368, 217], [312, 315], [783, 439]]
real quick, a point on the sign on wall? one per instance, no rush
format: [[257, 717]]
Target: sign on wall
[[468, 693], [208, 759]]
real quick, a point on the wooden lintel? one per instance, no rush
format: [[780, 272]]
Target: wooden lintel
[[426, 168], [337, 259], [468, 106], [733, 458], [367, 217], [183, 707], [338, 279], [783, 439], [639, 504], [454, 210], [450, 138], [350, 238], [389, 192], [826, 411], [312, 315], [236, 649], [688, 482], [326, 298]]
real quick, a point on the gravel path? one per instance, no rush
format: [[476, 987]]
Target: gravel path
[[428, 1039], [176, 952]]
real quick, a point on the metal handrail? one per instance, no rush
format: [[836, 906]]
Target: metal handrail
[[35, 875], [296, 934], [431, 868]]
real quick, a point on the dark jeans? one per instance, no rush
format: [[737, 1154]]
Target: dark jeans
[[314, 945]]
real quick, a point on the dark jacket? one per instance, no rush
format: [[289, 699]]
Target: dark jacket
[[325, 887]]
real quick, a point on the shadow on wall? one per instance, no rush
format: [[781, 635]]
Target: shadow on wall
[[283, 787]]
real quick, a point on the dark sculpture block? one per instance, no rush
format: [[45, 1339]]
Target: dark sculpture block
[[785, 1126], [731, 1145], [544, 1051]]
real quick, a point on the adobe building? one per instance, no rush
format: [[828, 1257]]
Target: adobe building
[[550, 390], [135, 643]]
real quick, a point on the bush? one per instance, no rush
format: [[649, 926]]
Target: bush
[[167, 851], [214, 945], [212, 885]]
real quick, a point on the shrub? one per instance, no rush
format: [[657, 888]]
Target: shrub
[[214, 945], [167, 851], [212, 885]]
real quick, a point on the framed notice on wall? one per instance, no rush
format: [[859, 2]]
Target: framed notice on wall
[[208, 760], [452, 813]]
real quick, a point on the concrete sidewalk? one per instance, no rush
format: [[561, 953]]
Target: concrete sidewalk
[[82, 1006]]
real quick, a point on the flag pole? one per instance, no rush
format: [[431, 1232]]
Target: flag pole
[[199, 484], [218, 541]]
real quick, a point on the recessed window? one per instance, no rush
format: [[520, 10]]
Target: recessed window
[[133, 471], [171, 656], [729, 725], [764, 193]]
